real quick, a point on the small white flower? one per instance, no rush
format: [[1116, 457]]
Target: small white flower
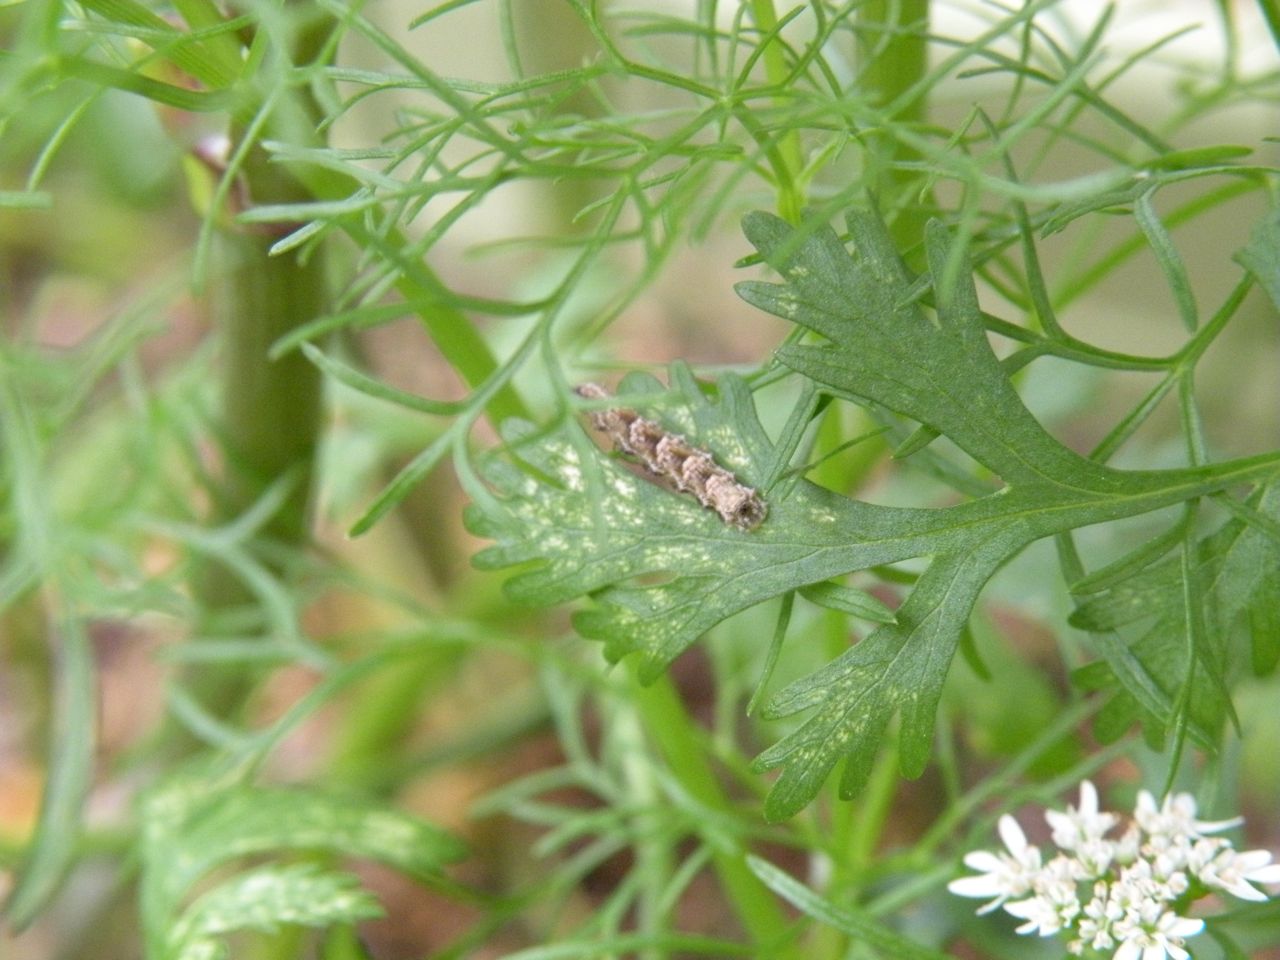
[[1125, 850], [1094, 858], [1001, 875], [1155, 937], [1134, 879], [1162, 875], [1167, 856], [1236, 872], [1055, 905], [1176, 817], [1095, 923], [1134, 895], [1041, 914], [1085, 825]]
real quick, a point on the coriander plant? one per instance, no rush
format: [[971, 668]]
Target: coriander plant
[[594, 479]]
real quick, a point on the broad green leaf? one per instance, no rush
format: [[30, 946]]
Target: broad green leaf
[[882, 349], [661, 570], [264, 899]]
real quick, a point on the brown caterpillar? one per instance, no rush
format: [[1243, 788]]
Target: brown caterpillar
[[671, 457]]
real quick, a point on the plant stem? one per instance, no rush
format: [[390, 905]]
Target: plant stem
[[790, 158], [270, 408], [668, 722], [1270, 10], [895, 57], [270, 417]]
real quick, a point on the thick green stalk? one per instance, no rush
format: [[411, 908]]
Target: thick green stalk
[[894, 36], [269, 427], [270, 407], [894, 58]]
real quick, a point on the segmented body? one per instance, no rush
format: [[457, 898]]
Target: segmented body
[[670, 456]]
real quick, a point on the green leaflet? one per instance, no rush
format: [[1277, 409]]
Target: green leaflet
[[852, 921], [882, 348], [1261, 255], [594, 524], [660, 570], [193, 826], [1141, 629], [263, 899]]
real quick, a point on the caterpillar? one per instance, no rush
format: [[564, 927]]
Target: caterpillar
[[671, 457]]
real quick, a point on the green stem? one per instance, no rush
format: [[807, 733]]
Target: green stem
[[668, 722], [788, 160], [895, 53], [271, 408], [1270, 10], [872, 813]]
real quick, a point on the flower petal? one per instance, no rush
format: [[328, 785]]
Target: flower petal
[[984, 885], [1088, 798], [982, 860], [1012, 835]]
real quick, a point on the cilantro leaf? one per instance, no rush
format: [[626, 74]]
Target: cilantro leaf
[[599, 525], [660, 570], [882, 348], [195, 825], [265, 898], [1152, 661]]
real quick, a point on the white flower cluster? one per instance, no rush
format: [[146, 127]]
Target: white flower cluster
[[1121, 894]]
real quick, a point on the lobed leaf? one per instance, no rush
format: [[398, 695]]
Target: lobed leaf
[[1140, 626], [264, 899], [660, 570], [591, 525], [881, 347], [193, 826]]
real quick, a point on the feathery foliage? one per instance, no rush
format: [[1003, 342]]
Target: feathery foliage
[[961, 198]]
